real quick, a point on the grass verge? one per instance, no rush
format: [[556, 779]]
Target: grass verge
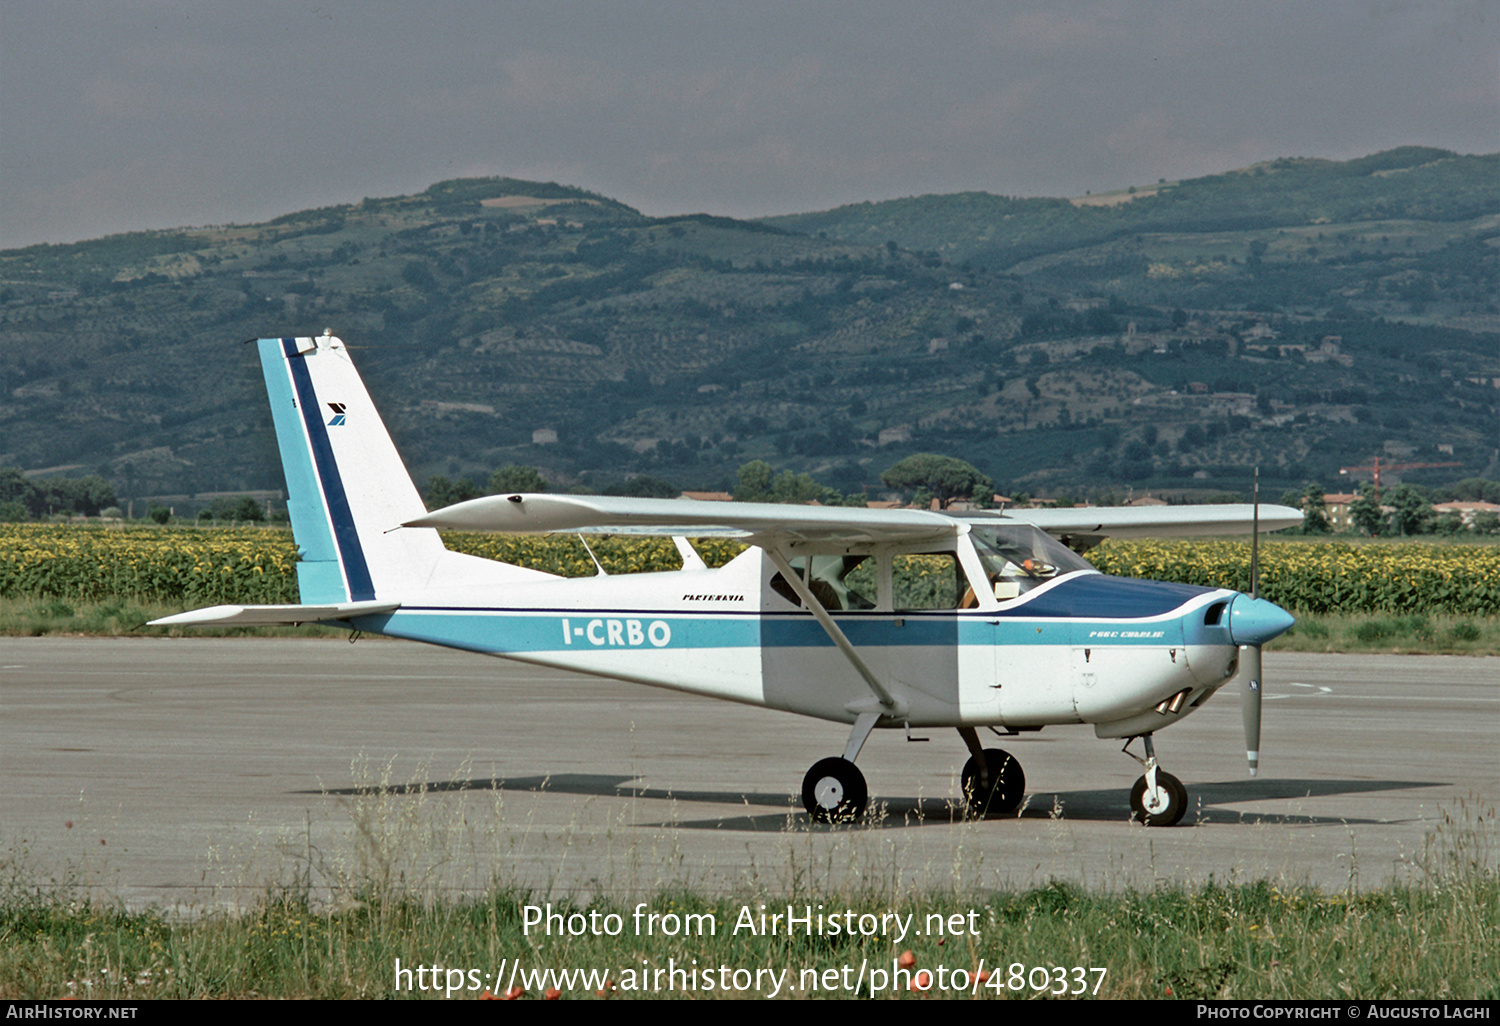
[[117, 617], [1417, 634], [1431, 936]]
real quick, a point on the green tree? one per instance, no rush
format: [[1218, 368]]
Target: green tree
[[944, 477], [246, 508], [644, 487], [85, 495], [753, 482], [1470, 489], [1314, 510], [1450, 523], [442, 492], [1366, 512], [1411, 513], [511, 478], [795, 488], [758, 482], [15, 487]]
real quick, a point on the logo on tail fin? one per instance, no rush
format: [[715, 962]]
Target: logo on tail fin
[[338, 414]]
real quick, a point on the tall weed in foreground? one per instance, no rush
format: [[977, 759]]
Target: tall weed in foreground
[[338, 923]]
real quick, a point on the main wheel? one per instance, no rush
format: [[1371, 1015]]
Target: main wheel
[[1007, 785], [834, 791], [1162, 807]]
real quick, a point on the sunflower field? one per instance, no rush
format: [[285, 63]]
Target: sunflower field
[[257, 565], [190, 566], [197, 566], [1325, 577]]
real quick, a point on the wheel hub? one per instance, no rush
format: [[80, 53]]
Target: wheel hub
[[830, 792]]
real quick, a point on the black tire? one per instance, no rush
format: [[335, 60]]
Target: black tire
[[834, 791], [1007, 785], [1167, 805]]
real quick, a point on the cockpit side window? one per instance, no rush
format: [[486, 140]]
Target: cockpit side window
[[837, 582]]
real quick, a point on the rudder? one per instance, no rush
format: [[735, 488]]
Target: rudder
[[347, 488]]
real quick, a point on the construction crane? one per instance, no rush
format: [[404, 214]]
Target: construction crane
[[1377, 467]]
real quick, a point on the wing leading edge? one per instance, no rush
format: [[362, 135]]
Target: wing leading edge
[[759, 522], [1148, 521], [756, 522]]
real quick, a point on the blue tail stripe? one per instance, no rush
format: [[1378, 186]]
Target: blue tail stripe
[[351, 553], [319, 578]]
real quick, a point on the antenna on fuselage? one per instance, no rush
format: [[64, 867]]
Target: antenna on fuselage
[[1255, 537]]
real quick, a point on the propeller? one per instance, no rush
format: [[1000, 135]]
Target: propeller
[[1250, 704], [1252, 622]]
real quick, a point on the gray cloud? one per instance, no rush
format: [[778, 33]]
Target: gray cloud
[[159, 113]]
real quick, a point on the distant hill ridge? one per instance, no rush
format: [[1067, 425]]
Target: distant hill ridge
[[1434, 185], [1299, 314]]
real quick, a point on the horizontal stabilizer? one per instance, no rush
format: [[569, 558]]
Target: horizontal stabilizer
[[267, 616]]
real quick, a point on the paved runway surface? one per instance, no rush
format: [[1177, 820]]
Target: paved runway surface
[[196, 773]]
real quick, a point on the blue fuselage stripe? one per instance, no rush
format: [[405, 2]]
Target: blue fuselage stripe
[[502, 630], [351, 553]]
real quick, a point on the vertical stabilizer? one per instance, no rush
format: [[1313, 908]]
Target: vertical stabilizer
[[346, 485]]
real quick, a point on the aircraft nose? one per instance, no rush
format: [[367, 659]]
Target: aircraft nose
[[1254, 621]]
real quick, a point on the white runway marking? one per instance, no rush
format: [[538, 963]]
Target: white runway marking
[[1317, 689]]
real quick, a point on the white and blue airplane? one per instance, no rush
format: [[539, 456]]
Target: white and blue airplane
[[874, 618]]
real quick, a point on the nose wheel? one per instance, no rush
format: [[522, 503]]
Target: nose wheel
[[834, 791], [1158, 798], [1159, 805]]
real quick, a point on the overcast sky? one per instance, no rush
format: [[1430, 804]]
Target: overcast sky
[[134, 114]]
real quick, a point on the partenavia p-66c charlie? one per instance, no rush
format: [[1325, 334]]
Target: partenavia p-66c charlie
[[874, 618]]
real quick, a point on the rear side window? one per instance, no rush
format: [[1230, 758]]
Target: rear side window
[[927, 581]]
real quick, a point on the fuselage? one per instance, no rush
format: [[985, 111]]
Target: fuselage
[[861, 616], [1080, 647]]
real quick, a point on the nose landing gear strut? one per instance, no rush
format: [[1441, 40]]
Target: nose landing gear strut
[[1158, 798]]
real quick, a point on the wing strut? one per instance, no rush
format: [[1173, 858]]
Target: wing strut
[[887, 700]]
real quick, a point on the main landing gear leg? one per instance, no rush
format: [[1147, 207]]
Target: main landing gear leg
[[993, 783], [834, 789], [1158, 798]]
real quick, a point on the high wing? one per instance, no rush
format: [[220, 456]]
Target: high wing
[[759, 523], [1146, 521], [756, 522]]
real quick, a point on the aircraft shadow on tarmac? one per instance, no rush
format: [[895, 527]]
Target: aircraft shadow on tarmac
[[1101, 805]]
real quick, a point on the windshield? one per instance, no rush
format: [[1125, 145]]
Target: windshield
[[1018, 557]]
